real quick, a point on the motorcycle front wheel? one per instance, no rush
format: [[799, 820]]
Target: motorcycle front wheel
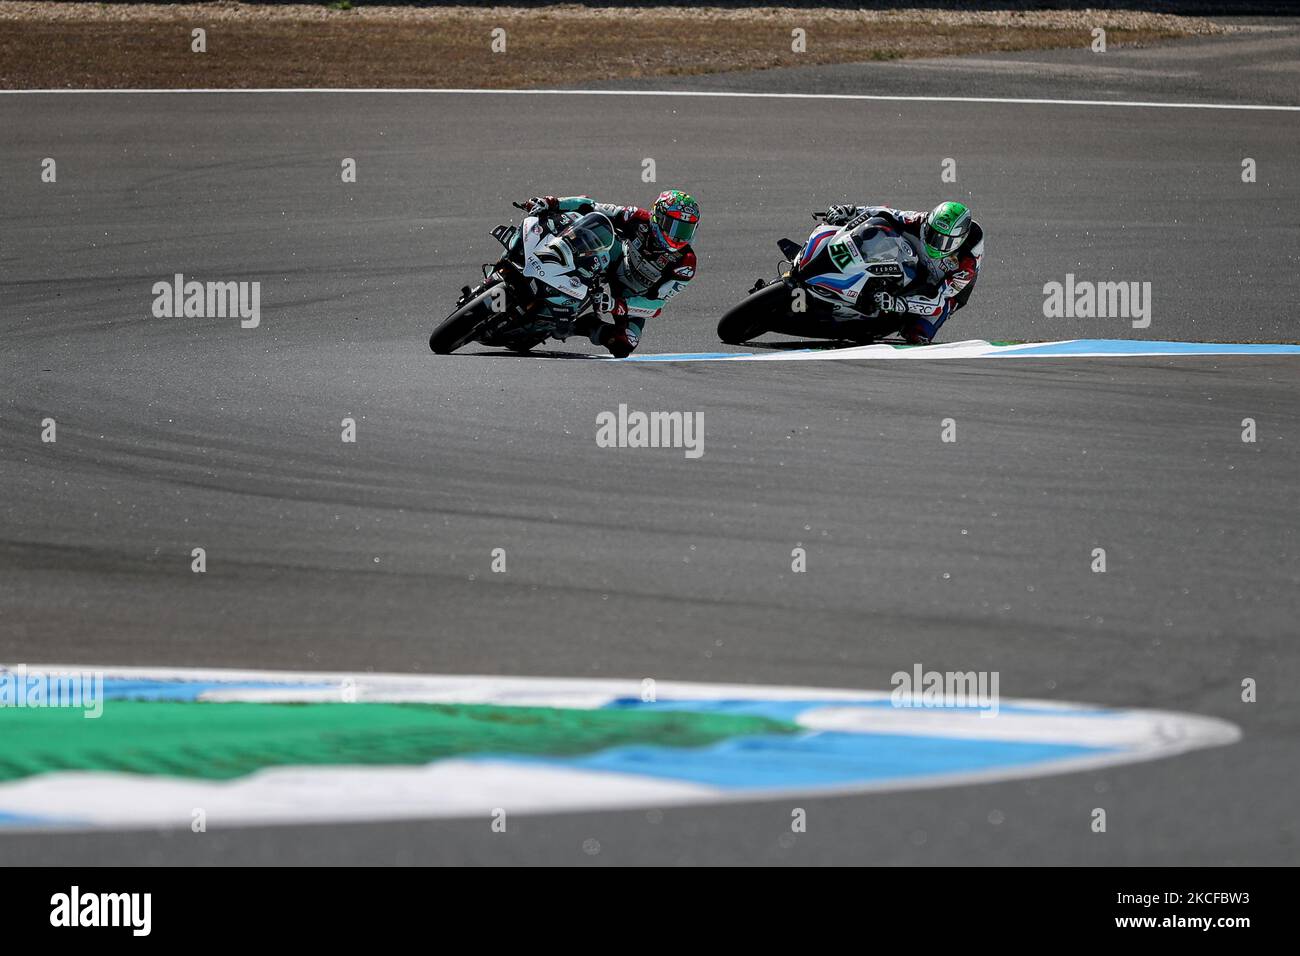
[[463, 326], [755, 314]]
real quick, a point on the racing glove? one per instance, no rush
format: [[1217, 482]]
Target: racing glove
[[839, 215], [540, 204], [889, 303]]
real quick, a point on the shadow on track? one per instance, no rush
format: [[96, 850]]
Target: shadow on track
[[819, 345], [506, 353]]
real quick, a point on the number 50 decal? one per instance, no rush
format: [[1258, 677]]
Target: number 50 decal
[[840, 254]]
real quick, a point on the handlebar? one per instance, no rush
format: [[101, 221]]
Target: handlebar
[[819, 216], [547, 214]]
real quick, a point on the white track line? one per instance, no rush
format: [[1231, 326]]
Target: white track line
[[707, 94]]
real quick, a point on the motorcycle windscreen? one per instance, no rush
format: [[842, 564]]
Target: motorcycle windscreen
[[886, 254], [591, 239]]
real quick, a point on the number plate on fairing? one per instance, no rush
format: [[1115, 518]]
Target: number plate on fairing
[[548, 259]]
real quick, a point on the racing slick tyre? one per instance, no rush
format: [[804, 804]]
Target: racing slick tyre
[[462, 326], [752, 316]]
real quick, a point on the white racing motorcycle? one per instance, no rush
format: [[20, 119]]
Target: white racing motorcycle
[[827, 289], [548, 276]]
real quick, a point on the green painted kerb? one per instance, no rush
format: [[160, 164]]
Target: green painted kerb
[[219, 741]]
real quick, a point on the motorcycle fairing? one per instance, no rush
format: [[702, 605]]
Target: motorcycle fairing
[[549, 259], [837, 279]]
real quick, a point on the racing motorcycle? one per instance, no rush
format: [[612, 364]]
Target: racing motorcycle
[[827, 288], [547, 278]]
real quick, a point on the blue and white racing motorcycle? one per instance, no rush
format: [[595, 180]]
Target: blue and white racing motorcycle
[[827, 289]]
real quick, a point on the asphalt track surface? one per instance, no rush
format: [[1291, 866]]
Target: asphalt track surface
[[178, 433]]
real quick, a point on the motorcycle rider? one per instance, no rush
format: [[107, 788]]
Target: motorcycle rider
[[949, 243], [653, 262]]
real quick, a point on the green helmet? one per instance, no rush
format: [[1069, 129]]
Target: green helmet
[[945, 229]]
